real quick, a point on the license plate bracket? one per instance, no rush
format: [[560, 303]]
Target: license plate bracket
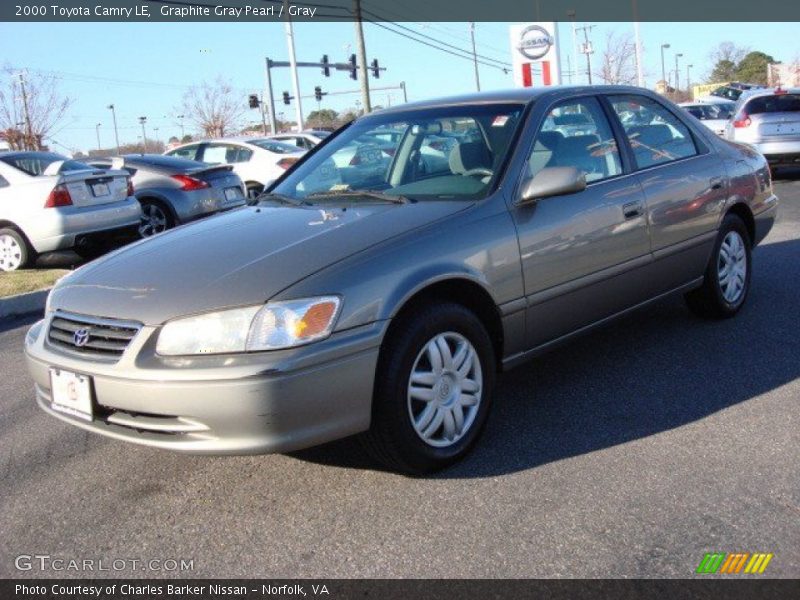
[[71, 393]]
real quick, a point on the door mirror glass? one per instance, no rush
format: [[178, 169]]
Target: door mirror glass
[[553, 181]]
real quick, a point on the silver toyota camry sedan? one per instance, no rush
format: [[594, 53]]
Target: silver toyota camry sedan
[[383, 302]]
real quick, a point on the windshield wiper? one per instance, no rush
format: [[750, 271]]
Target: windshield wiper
[[282, 198], [361, 194]]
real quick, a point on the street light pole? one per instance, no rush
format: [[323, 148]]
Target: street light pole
[[637, 44], [142, 121], [362, 56], [97, 131], [664, 69], [689, 82], [293, 61], [180, 122], [403, 87], [116, 133], [677, 75], [571, 15]]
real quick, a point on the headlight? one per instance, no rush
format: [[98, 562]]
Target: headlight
[[266, 327]]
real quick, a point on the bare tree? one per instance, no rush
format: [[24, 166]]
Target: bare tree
[[214, 107], [26, 120], [618, 62], [724, 60]]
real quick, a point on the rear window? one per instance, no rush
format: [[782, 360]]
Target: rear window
[[273, 146], [773, 104], [36, 163]]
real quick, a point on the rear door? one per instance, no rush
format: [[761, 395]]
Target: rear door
[[582, 253], [684, 182]]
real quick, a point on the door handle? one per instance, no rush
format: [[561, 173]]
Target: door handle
[[715, 183], [631, 210]]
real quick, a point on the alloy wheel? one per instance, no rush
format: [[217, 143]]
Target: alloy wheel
[[732, 267], [10, 253], [445, 389], [154, 220]]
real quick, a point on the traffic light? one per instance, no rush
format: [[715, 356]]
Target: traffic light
[[252, 100], [353, 67], [376, 70], [318, 93], [326, 69], [287, 99]]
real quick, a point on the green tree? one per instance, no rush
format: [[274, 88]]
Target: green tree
[[324, 117], [753, 68], [724, 70]]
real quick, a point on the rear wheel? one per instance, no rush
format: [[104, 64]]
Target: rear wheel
[[156, 218], [727, 277], [433, 390], [15, 253]]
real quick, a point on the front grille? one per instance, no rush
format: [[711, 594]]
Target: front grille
[[90, 336]]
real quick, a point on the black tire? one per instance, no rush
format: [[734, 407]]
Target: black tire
[[708, 301], [392, 439], [253, 191], [23, 253], [147, 206]]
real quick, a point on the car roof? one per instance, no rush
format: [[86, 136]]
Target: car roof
[[511, 96]]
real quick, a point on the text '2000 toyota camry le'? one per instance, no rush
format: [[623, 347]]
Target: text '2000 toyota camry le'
[[381, 298]]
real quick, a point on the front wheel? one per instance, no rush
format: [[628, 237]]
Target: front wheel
[[433, 390], [727, 278]]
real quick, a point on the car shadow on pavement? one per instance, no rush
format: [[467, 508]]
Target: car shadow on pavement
[[654, 370]]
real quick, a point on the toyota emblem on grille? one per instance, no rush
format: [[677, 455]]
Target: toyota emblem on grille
[[81, 337]]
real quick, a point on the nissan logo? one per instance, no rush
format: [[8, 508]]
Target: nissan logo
[[534, 42], [81, 337]]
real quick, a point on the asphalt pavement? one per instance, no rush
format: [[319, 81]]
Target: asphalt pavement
[[630, 452]]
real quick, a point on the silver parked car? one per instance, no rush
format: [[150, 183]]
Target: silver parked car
[[713, 116], [769, 120], [173, 190], [386, 307], [49, 202]]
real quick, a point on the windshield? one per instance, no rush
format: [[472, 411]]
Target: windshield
[[727, 92], [273, 146], [36, 163], [708, 112], [453, 152]]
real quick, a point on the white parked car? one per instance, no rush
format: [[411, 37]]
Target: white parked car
[[304, 140], [714, 116], [257, 161], [49, 202]]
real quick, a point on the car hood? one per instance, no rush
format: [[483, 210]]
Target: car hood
[[234, 259]]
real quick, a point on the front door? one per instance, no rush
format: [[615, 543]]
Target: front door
[[582, 253]]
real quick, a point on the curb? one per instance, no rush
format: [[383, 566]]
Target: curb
[[23, 304]]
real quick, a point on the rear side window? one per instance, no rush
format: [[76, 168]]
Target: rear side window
[[3, 182], [654, 133], [577, 134], [773, 104], [187, 152], [36, 163]]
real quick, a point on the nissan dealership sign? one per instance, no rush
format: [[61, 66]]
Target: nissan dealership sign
[[534, 52]]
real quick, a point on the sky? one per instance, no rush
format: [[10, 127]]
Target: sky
[[145, 68]]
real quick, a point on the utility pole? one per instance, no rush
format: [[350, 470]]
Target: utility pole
[[403, 87], [293, 63], [571, 15], [28, 127], [587, 50], [689, 82], [677, 75], [180, 123], [362, 56], [142, 121], [475, 55], [116, 133], [97, 131], [637, 44]]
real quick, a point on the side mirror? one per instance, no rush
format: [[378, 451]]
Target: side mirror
[[553, 181]]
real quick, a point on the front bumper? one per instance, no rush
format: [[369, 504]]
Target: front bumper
[[227, 404]]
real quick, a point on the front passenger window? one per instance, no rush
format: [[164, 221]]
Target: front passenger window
[[577, 134]]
